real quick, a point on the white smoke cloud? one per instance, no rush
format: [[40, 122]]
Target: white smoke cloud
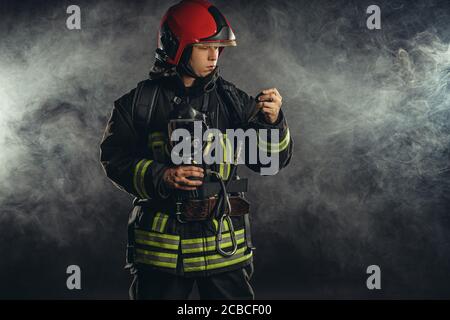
[[368, 111]]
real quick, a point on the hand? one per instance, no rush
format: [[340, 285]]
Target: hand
[[177, 177], [270, 104]]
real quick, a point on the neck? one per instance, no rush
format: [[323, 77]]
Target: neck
[[188, 81]]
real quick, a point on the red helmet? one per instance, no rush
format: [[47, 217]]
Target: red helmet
[[192, 22]]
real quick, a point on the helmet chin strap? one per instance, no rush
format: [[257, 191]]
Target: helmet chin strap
[[187, 69], [184, 65]]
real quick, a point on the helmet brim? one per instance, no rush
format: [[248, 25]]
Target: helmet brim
[[226, 43]]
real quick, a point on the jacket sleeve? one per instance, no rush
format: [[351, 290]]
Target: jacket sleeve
[[281, 146], [125, 158]]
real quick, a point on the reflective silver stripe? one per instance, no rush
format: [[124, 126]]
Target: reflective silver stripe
[[203, 240], [160, 259], [215, 261], [211, 243]]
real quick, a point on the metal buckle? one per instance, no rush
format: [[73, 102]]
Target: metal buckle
[[179, 214]]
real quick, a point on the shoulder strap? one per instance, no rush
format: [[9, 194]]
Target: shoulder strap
[[144, 100]]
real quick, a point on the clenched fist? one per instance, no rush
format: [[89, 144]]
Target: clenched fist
[[178, 177], [270, 104]]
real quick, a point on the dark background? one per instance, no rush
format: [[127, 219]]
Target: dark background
[[368, 111]]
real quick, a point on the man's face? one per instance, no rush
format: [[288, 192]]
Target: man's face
[[204, 59]]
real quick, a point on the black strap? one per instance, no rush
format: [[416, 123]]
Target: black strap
[[144, 100], [248, 234], [131, 240], [234, 186], [209, 189]]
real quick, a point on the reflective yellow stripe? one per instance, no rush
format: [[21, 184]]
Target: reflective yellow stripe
[[157, 144], [216, 225], [212, 247], [275, 147], [157, 134], [230, 155], [155, 137], [164, 222], [156, 140], [211, 257], [219, 265], [143, 172], [135, 177], [284, 140], [139, 177], [209, 143], [157, 254], [157, 244], [200, 246], [157, 235], [221, 165], [145, 260], [212, 238], [224, 167], [159, 222], [155, 221]]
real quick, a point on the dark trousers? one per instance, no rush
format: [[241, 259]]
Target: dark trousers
[[158, 285]]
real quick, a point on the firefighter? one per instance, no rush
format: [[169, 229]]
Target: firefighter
[[190, 223]]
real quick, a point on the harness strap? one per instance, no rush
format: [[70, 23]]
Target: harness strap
[[144, 101]]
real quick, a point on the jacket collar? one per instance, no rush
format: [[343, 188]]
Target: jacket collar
[[200, 86]]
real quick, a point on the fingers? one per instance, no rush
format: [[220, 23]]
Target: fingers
[[268, 105], [188, 182], [271, 97], [180, 177], [190, 168], [188, 171], [193, 174], [272, 90]]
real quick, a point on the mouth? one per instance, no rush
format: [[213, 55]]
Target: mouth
[[210, 67]]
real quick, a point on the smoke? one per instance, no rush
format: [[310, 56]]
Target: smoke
[[368, 111], [58, 87]]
